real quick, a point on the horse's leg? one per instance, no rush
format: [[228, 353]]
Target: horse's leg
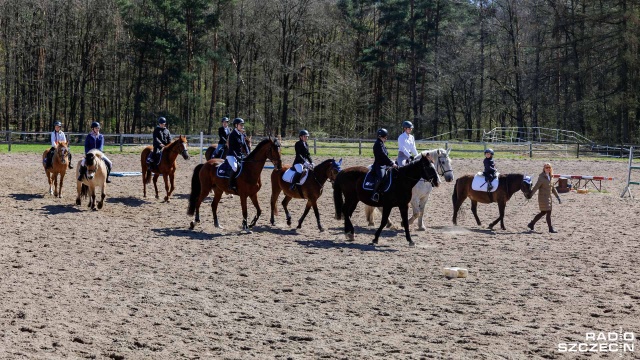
[[55, 184], [165, 177], [214, 207], [256, 204], [243, 203], [285, 202], [304, 214], [456, 206], [501, 207], [390, 224], [102, 195], [275, 192], [155, 184], [404, 214], [79, 188], [92, 203], [144, 181], [317, 212], [348, 208], [172, 182], [368, 213], [385, 218], [60, 188], [474, 210]]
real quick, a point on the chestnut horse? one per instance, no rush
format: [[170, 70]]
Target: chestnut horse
[[507, 186], [167, 166], [349, 183], [310, 190], [204, 180], [58, 166], [96, 177]]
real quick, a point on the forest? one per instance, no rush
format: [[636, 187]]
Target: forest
[[339, 68]]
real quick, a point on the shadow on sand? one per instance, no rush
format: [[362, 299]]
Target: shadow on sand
[[127, 201], [26, 197], [329, 244], [60, 209], [185, 232]]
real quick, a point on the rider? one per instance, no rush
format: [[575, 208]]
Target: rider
[[57, 136], [237, 147], [303, 157], [161, 138], [223, 133], [94, 140], [406, 144], [381, 158], [489, 168]]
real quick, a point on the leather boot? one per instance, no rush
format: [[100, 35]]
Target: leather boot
[[108, 172], [232, 181], [296, 179], [70, 164]]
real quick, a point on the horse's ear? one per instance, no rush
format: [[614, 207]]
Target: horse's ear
[[448, 151]]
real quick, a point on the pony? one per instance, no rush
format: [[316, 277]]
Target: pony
[[208, 154], [507, 186], [96, 177], [310, 190], [205, 179], [58, 166], [422, 190], [349, 183], [167, 166]]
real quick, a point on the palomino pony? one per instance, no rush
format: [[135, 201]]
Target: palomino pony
[[208, 154], [58, 166], [310, 190], [507, 186], [96, 177], [167, 166], [422, 190], [349, 183], [205, 179]]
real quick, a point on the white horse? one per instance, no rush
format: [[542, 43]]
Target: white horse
[[422, 190]]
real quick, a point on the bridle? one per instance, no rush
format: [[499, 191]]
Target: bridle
[[424, 168], [440, 165]]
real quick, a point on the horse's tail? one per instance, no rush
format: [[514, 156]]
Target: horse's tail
[[454, 197], [195, 190], [338, 201], [147, 177], [84, 191]]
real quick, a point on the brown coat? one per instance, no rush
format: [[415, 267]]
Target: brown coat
[[545, 185]]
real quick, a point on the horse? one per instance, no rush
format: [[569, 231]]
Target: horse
[[208, 154], [422, 190], [507, 186], [167, 166], [310, 190], [58, 166], [349, 183], [96, 177], [248, 182]]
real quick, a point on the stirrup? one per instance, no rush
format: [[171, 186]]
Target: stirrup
[[375, 197]]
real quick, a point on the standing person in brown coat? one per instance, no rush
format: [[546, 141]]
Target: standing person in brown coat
[[545, 185]]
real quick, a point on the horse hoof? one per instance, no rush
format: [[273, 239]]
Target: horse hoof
[[157, 197], [422, 229], [350, 237], [289, 222], [373, 243], [192, 225], [371, 224], [412, 244], [100, 206], [78, 202], [321, 229]]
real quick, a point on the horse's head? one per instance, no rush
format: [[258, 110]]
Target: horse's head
[[443, 164], [184, 145], [91, 162], [62, 151], [274, 152], [526, 186], [429, 171], [334, 170]]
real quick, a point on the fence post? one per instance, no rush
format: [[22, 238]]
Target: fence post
[[359, 147], [578, 151], [314, 147], [446, 146], [201, 145], [121, 142], [9, 141], [530, 150]]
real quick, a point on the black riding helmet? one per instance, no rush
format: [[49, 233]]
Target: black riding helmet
[[225, 119], [162, 120], [57, 123], [303, 133], [237, 121], [490, 151], [382, 132], [407, 124], [95, 124]]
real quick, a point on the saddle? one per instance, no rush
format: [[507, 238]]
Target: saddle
[[153, 165], [479, 182], [370, 180], [290, 173], [224, 170]]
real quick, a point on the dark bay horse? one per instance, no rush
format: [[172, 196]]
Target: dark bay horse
[[204, 180], [58, 166], [310, 190], [349, 184], [167, 166], [507, 186]]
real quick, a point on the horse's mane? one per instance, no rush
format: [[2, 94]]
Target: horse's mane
[[433, 153], [258, 147], [511, 177], [174, 142]]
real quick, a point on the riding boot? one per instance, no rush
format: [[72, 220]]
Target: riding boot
[[108, 172], [70, 164], [83, 172], [376, 196], [49, 161], [296, 179], [489, 181], [232, 181]]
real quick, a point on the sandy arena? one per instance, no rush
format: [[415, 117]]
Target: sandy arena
[[132, 282]]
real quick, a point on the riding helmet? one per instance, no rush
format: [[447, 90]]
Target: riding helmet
[[382, 132], [303, 133], [490, 151], [237, 121], [225, 119], [57, 123], [95, 124], [162, 120], [407, 124]]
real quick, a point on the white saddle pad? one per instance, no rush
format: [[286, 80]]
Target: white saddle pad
[[288, 176], [480, 183]]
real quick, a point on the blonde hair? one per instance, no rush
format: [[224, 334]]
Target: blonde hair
[[549, 165]]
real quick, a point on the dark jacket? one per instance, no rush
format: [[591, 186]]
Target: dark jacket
[[91, 142], [237, 144], [302, 153], [160, 136], [223, 135], [381, 155], [489, 166]]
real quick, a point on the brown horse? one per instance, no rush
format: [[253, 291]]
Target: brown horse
[[349, 183], [58, 166], [167, 166], [208, 155], [204, 180], [507, 186], [96, 176], [310, 190]]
